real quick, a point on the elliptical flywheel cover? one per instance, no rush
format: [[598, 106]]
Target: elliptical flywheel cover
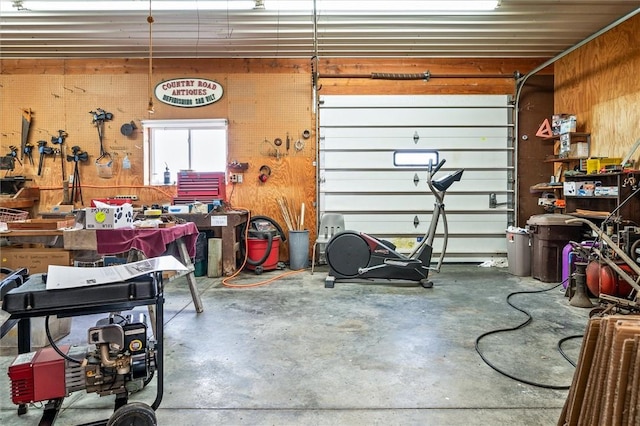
[[347, 252]]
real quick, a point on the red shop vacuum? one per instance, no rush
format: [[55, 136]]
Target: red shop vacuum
[[262, 244]]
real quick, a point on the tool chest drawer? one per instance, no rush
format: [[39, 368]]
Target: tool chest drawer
[[207, 184]]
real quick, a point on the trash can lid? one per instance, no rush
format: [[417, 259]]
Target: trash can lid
[[551, 219]]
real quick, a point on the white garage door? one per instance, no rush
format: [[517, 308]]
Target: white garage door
[[358, 136]]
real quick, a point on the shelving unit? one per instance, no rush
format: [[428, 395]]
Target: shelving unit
[[567, 155], [573, 155], [599, 206]]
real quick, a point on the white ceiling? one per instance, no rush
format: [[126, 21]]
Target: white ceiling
[[516, 29]]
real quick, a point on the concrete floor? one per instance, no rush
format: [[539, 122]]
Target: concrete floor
[[294, 353]]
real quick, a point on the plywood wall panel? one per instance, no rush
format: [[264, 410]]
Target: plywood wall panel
[[599, 83]]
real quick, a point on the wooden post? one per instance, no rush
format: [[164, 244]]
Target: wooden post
[[214, 262]]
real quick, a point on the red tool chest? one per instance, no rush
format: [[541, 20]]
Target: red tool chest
[[200, 186]]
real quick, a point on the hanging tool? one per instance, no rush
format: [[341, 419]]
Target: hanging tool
[[28, 150], [288, 142], [127, 128], [99, 117], [26, 124], [14, 153], [77, 157], [44, 150], [59, 140], [8, 162]]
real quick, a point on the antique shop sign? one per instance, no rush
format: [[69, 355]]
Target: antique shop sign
[[188, 92]]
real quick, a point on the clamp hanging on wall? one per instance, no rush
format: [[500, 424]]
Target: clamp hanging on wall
[[99, 117], [265, 172]]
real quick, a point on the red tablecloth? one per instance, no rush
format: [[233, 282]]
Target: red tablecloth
[[152, 242]]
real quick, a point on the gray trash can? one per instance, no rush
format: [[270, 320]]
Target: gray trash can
[[519, 252], [298, 249]]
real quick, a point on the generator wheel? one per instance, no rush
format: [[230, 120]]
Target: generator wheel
[[133, 414], [425, 283]]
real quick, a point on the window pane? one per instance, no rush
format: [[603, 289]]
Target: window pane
[[209, 150], [198, 145], [169, 149]]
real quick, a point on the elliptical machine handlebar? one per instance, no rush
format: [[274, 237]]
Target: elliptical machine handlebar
[[432, 170]]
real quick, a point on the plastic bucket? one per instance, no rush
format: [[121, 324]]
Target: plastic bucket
[[298, 249]]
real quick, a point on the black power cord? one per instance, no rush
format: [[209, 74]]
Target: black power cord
[[564, 339], [53, 345], [522, 325]]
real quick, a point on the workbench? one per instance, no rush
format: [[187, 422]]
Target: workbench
[[227, 225], [152, 242]]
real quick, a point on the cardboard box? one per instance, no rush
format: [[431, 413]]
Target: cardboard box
[[556, 122], [568, 124], [570, 188], [37, 260], [62, 208], [179, 209], [603, 191], [579, 150], [579, 188], [587, 189], [80, 239], [112, 217]]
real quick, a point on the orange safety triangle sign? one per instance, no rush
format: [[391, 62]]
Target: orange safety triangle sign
[[545, 129]]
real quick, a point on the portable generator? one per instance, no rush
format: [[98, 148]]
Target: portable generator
[[120, 359]]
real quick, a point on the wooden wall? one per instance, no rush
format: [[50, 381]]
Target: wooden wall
[[263, 100], [599, 83]]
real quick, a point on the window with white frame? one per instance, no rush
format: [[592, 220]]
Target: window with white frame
[[175, 145]]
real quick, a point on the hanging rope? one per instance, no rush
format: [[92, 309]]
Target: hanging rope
[[150, 20]]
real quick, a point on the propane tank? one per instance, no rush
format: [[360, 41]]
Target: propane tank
[[167, 175]]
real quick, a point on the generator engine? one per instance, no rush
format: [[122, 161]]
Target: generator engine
[[120, 359]]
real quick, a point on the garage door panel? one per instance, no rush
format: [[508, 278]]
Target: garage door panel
[[415, 116], [407, 175], [351, 160], [408, 133], [467, 244], [450, 101], [366, 144], [405, 184], [458, 247], [402, 224], [390, 202]]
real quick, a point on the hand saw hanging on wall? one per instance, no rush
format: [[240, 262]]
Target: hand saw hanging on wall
[[26, 124]]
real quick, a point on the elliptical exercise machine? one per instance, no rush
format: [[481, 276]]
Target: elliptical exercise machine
[[356, 255]]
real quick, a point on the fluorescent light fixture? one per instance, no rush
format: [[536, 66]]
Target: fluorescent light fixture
[[125, 5], [282, 5], [383, 5]]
